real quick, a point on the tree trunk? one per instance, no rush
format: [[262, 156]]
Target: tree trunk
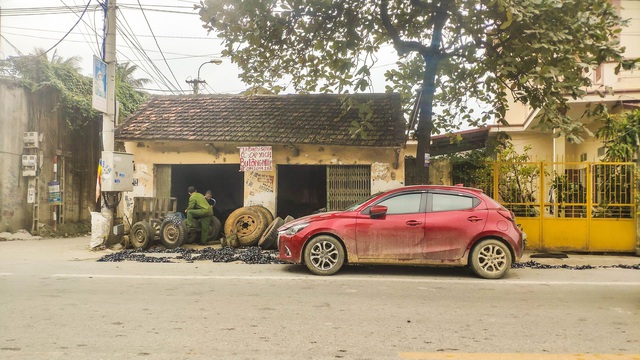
[[425, 120], [425, 117]]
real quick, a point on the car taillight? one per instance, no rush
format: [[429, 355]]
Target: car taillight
[[507, 214]]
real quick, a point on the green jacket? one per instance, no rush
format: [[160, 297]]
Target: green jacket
[[197, 201]]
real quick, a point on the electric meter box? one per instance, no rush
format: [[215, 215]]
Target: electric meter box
[[30, 140], [29, 165], [117, 171]]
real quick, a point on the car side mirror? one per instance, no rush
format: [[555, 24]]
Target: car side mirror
[[377, 211]]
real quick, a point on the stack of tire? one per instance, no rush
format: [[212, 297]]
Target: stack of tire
[[251, 226]]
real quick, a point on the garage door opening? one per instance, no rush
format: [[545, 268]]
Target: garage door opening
[[302, 189], [225, 182]]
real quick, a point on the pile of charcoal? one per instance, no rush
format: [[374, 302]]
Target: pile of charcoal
[[536, 265], [248, 255]]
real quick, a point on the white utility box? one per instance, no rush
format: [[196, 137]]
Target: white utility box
[[30, 140], [29, 165], [117, 171]]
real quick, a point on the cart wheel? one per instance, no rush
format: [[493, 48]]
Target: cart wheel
[[141, 235], [173, 233]]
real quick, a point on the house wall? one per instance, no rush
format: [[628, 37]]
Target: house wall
[[387, 169], [14, 118], [64, 156]]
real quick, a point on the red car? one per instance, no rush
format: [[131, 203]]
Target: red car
[[413, 225]]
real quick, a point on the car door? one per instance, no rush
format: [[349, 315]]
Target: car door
[[451, 222], [396, 235]]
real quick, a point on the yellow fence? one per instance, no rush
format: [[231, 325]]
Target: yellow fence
[[564, 206]]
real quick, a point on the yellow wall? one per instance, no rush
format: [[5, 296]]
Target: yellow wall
[[541, 144], [387, 164]]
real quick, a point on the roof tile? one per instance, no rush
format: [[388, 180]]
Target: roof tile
[[299, 119]]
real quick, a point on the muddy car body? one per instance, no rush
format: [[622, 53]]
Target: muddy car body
[[413, 225]]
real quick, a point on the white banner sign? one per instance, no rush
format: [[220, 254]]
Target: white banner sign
[[99, 98], [256, 158]]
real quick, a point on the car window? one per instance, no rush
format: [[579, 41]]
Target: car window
[[362, 201], [402, 204], [449, 202]]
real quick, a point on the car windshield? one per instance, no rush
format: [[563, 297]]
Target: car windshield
[[362, 201]]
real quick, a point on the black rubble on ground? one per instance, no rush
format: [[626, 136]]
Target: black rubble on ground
[[248, 255], [256, 255], [536, 265]]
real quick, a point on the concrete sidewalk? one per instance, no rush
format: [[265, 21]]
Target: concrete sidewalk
[[77, 249]]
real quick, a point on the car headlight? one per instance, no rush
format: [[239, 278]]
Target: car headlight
[[295, 229]]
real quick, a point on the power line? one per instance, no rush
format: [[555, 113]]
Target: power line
[[157, 36], [158, 45], [52, 10], [89, 30], [134, 44], [159, 77], [74, 25], [13, 46]]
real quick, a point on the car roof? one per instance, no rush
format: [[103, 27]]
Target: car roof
[[437, 187]]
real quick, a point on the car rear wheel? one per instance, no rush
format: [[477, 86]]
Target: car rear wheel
[[491, 259], [324, 255]]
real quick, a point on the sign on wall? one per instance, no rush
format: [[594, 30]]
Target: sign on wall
[[256, 158]]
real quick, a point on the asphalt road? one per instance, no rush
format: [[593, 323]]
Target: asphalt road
[[65, 305]]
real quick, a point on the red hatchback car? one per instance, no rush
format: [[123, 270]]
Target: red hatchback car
[[413, 225]]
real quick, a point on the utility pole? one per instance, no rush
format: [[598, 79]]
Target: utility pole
[[196, 82], [109, 118], [109, 206]]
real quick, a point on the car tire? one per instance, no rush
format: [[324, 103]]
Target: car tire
[[288, 219], [141, 235], [324, 255], [173, 233], [268, 239], [214, 232], [247, 224], [490, 259], [268, 216]]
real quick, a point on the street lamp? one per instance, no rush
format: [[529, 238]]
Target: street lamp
[[196, 83]]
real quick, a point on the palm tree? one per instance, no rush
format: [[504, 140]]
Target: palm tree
[[124, 74]]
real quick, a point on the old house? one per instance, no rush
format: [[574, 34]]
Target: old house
[[47, 164], [294, 154]]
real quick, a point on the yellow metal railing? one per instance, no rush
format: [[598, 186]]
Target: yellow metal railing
[[565, 189], [578, 206]]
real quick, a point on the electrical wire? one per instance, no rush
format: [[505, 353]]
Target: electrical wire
[[13, 46], [158, 45], [134, 44], [125, 30], [74, 25], [84, 36], [57, 10]]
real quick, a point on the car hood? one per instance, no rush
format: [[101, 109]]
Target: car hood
[[310, 218]]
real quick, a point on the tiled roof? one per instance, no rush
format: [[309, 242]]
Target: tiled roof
[[266, 119]]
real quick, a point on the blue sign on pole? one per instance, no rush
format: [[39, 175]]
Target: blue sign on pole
[[99, 98]]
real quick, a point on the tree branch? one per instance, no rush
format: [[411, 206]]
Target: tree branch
[[401, 46]]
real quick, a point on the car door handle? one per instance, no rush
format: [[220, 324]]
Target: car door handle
[[414, 222], [474, 219]]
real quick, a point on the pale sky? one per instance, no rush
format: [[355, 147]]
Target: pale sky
[[29, 24]]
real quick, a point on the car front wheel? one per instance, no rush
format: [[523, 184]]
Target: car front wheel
[[324, 255], [491, 259]]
